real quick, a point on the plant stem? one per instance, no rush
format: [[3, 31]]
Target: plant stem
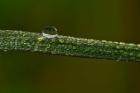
[[70, 46]]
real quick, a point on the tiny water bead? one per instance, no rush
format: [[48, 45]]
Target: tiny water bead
[[40, 39], [50, 32]]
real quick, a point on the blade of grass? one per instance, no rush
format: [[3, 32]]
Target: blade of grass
[[70, 46]]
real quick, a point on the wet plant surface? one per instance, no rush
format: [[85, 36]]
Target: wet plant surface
[[70, 46]]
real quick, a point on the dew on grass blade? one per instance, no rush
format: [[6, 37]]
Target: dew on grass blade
[[50, 32]]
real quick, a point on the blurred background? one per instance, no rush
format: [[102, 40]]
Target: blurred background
[[25, 72]]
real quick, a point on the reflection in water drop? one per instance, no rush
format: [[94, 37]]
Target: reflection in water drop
[[50, 32]]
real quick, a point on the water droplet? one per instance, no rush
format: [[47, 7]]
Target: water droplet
[[50, 32], [138, 45], [40, 39]]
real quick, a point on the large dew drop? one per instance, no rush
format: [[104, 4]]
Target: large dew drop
[[50, 32]]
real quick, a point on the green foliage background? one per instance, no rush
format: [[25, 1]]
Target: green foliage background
[[25, 72]]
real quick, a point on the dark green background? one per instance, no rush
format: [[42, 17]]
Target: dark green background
[[25, 72]]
